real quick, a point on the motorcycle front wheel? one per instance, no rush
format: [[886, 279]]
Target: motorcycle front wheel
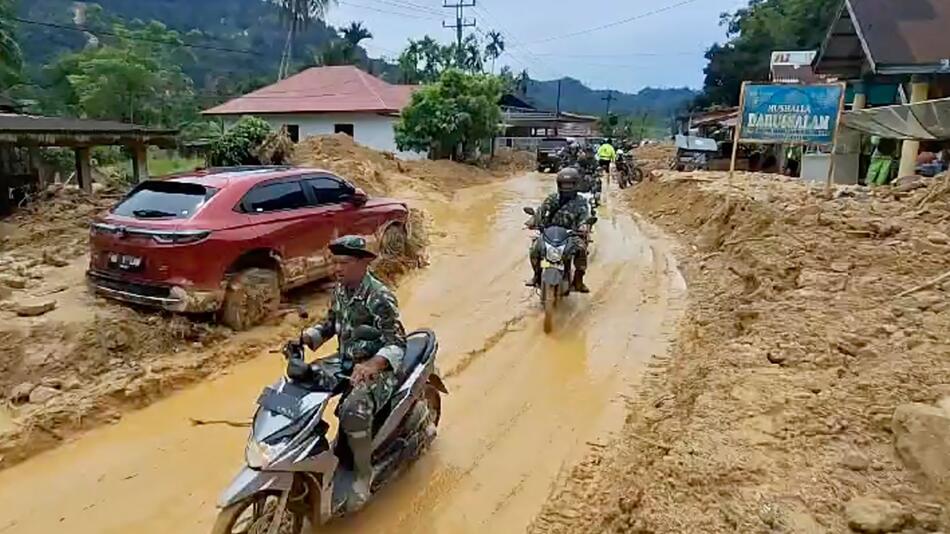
[[548, 298], [254, 515]]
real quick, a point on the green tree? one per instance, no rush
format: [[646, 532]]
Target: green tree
[[131, 78], [11, 57], [240, 144], [495, 47], [451, 117], [345, 49], [297, 15], [423, 61], [754, 32]]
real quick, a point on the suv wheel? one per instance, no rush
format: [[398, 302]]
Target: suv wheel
[[252, 296]]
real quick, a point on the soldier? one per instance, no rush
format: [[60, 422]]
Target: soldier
[[359, 299], [569, 210], [568, 155]]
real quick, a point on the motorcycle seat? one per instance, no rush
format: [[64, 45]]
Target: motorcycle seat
[[419, 348]]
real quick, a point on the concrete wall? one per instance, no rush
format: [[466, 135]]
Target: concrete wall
[[369, 129]]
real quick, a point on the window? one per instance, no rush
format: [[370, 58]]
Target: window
[[164, 200], [275, 197], [326, 190], [293, 131], [343, 128]]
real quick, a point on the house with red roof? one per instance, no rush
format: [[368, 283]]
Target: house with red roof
[[327, 100]]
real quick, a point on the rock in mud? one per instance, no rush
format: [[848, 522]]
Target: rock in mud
[[855, 461], [41, 394], [16, 282], [34, 308], [21, 393], [938, 238], [50, 258], [922, 440], [71, 383], [875, 516]]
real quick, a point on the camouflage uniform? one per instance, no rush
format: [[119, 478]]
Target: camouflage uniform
[[568, 155], [572, 216], [373, 304]]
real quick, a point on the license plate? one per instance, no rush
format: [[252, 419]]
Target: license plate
[[125, 262]]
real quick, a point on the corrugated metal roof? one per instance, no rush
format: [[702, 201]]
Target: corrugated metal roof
[[36, 124], [321, 90], [905, 32]]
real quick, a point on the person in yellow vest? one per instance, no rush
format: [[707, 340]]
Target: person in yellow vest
[[606, 155]]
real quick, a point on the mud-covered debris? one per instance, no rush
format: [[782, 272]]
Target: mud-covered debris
[[5, 292], [938, 238], [41, 394], [855, 461], [875, 516], [15, 282], [21, 392], [54, 259], [922, 440], [35, 307]]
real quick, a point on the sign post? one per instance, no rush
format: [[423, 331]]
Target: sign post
[[783, 113], [834, 149]]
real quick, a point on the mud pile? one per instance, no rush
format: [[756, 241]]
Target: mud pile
[[381, 173], [656, 157], [808, 388]]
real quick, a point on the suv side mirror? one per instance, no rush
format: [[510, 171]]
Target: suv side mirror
[[359, 197]]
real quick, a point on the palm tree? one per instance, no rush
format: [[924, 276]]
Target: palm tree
[[355, 33], [495, 47], [297, 15], [521, 82]]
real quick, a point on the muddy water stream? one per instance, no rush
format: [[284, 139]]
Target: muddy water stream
[[523, 406]]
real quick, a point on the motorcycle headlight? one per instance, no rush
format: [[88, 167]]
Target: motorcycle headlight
[[555, 254], [258, 455]]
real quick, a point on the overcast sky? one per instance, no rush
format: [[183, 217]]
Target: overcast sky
[[657, 49]]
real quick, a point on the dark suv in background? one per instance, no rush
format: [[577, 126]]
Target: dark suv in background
[[548, 149]]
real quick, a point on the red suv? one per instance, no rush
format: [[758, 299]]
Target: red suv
[[231, 240]]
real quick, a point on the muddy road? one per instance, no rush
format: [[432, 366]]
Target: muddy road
[[523, 406]]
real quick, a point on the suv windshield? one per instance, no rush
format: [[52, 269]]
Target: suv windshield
[[164, 200], [552, 144]]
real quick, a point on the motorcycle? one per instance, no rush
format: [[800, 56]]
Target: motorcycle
[[629, 173], [556, 274], [294, 473]]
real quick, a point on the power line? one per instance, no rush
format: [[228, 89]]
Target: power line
[[460, 23], [386, 11], [83, 29], [513, 38], [410, 6], [616, 23]]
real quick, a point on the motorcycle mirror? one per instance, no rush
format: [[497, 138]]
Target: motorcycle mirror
[[591, 221], [302, 312], [529, 211], [366, 333]]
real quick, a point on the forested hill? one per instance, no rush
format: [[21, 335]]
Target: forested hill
[[577, 97], [251, 25]]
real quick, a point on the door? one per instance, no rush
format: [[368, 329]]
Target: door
[[289, 223], [331, 196]]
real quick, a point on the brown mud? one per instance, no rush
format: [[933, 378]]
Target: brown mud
[[776, 409], [523, 406], [89, 360]]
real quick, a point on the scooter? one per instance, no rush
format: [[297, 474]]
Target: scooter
[[295, 474], [556, 271]]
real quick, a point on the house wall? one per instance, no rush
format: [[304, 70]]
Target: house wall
[[369, 129]]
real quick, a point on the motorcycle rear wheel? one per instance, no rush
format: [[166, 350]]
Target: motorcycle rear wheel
[[259, 509], [549, 299]]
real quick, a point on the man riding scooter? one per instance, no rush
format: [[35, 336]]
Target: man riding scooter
[[358, 299], [569, 210]]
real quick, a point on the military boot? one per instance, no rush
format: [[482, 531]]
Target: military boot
[[535, 280], [363, 472], [578, 282]]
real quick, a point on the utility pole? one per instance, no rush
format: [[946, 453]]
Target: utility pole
[[557, 106], [609, 98], [460, 24]]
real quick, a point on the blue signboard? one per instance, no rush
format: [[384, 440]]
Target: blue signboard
[[796, 113]]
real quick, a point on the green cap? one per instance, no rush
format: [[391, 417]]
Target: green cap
[[351, 245]]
